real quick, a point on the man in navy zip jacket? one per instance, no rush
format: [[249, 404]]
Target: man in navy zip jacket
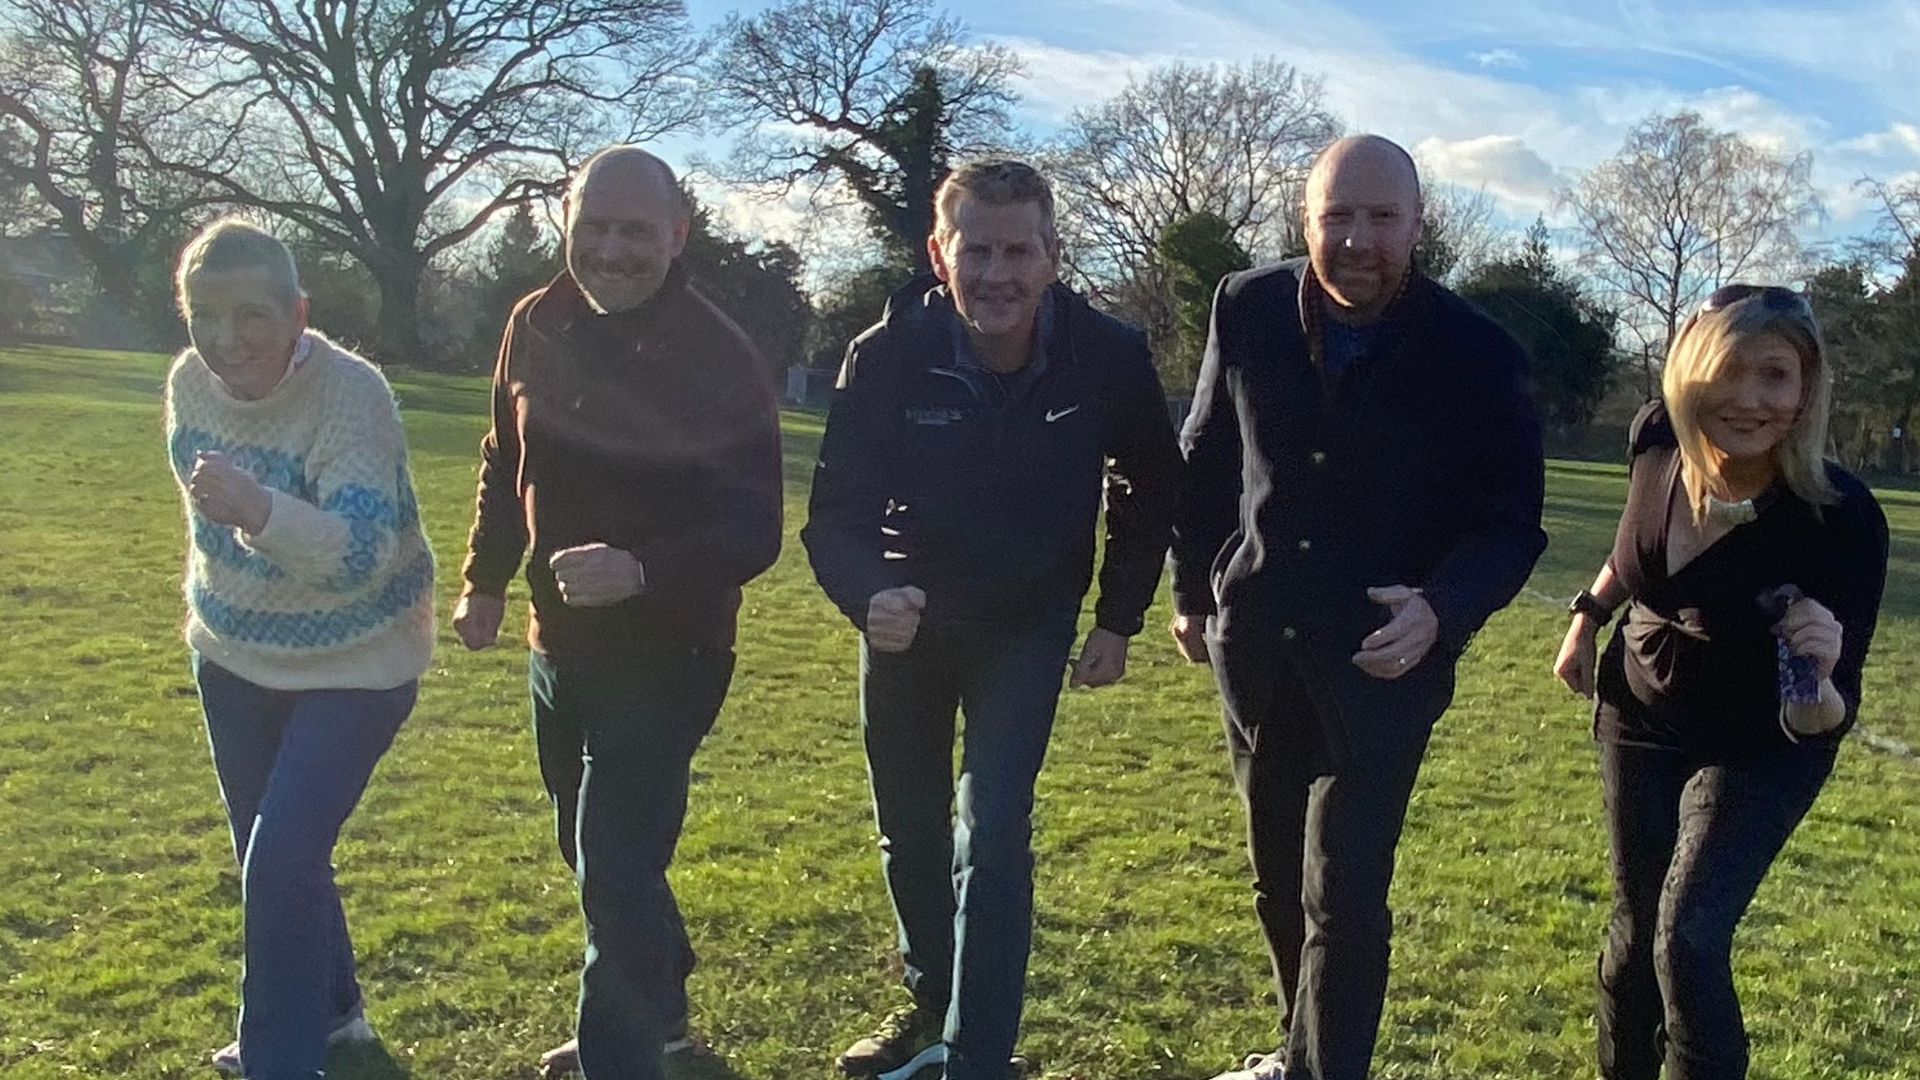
[[1364, 481], [974, 432]]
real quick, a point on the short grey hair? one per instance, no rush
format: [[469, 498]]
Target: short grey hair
[[233, 244], [996, 182]]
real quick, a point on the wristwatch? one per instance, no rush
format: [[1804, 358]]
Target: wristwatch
[[1585, 603]]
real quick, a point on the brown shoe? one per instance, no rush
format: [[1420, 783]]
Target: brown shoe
[[905, 1041]]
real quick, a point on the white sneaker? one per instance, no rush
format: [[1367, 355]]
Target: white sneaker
[[355, 1029], [1258, 1067]]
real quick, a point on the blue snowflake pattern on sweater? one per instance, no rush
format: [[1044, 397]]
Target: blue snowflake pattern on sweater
[[316, 629], [274, 468], [372, 521]]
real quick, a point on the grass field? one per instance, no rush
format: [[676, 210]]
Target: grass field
[[119, 915]]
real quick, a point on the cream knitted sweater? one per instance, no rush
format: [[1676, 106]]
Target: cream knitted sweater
[[336, 591]]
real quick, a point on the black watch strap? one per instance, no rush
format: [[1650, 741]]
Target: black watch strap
[[1585, 603]]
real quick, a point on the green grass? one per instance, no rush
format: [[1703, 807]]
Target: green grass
[[119, 917]]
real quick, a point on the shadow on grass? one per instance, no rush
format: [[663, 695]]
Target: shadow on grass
[[705, 1065], [364, 1061]]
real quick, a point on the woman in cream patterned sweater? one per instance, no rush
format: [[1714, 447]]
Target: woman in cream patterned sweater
[[309, 615]]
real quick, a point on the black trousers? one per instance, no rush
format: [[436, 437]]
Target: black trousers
[[616, 739], [1325, 758], [1691, 837]]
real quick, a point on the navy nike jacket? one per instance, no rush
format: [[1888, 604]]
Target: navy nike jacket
[[983, 491]]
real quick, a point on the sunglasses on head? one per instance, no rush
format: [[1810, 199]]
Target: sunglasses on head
[[1772, 298]]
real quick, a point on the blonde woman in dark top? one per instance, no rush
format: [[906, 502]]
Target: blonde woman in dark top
[[1752, 569]]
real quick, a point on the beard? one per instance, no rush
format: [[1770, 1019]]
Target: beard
[[1363, 283]]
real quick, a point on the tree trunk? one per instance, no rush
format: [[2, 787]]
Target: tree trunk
[[397, 330]]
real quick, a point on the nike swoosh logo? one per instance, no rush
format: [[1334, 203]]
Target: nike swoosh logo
[[1055, 414]]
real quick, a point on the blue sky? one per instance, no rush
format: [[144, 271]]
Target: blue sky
[[1513, 96]]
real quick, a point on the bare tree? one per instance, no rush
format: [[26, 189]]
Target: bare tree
[[1458, 232], [1231, 141], [875, 95], [77, 101], [1897, 234], [394, 130], [1681, 210]]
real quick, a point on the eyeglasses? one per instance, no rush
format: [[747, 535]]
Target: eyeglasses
[[1772, 297]]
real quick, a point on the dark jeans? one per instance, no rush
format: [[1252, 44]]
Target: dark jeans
[[959, 862], [1325, 759], [1690, 840], [292, 766], [616, 738]]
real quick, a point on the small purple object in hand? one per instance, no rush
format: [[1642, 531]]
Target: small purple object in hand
[[1799, 676]]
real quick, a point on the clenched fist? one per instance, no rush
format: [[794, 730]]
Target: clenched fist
[[595, 575], [1190, 637], [477, 617], [226, 494], [893, 618]]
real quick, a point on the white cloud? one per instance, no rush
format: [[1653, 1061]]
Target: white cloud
[[1759, 120], [1504, 166], [1899, 140], [1055, 81], [1498, 58]]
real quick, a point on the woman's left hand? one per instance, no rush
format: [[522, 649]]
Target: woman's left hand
[[1811, 630]]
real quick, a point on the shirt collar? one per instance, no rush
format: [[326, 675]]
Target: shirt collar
[[301, 350]]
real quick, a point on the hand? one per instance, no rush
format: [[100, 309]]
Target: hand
[[595, 575], [1103, 659], [476, 618], [226, 494], [1190, 637], [1574, 666], [893, 618], [1811, 630], [1398, 647]]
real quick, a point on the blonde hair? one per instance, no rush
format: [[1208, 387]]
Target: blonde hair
[[1700, 353], [234, 244], [996, 182]]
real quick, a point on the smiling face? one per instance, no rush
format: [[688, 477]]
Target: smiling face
[[1755, 398], [626, 223], [1362, 220], [242, 327], [997, 263]]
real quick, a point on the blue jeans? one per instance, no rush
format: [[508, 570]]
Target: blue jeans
[[959, 862], [292, 766], [616, 737]]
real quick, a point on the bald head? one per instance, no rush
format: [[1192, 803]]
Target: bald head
[[626, 221], [1372, 153], [625, 164], [1362, 220]]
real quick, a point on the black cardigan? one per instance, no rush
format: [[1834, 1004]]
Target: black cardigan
[[1421, 467]]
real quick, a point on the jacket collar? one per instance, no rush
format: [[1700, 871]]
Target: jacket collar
[[922, 311], [562, 305]]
